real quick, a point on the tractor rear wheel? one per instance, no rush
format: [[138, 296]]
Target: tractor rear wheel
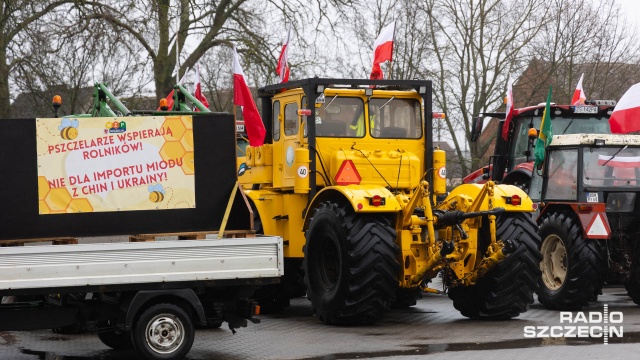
[[633, 283], [350, 264], [507, 289], [570, 264]]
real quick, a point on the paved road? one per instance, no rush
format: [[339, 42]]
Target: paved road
[[432, 329]]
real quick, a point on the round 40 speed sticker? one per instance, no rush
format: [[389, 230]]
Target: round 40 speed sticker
[[303, 171]]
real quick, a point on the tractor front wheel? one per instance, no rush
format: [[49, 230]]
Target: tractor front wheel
[[350, 264], [570, 264], [507, 289]]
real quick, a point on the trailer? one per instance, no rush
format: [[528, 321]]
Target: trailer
[[148, 295], [143, 176]]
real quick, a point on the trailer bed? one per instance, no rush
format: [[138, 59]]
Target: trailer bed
[[121, 266]]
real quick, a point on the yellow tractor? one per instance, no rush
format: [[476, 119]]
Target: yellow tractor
[[349, 177]]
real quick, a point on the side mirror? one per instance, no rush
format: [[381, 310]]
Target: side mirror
[[476, 128]]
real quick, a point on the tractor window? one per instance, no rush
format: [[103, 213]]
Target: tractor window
[[291, 119], [611, 166], [340, 116], [393, 118], [276, 122], [562, 183], [521, 142], [535, 187], [561, 125]]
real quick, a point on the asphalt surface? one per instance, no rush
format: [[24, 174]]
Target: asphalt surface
[[432, 329]]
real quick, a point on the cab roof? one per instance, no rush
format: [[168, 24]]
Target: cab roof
[[590, 139]]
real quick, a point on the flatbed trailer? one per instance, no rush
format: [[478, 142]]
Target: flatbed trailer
[[145, 295]]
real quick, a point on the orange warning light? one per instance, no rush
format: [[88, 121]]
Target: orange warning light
[[163, 104]]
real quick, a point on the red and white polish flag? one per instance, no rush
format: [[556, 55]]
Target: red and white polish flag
[[242, 97], [383, 50], [626, 115], [283, 61], [509, 110], [197, 93], [579, 96]]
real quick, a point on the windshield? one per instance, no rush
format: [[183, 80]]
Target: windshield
[[335, 116], [617, 166], [561, 125], [394, 118], [389, 118]]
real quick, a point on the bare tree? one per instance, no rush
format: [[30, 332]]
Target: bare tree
[[66, 60], [162, 27], [583, 37], [476, 45], [15, 18]]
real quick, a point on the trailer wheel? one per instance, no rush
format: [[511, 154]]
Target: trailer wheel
[[570, 265], [163, 331], [507, 289], [350, 265]]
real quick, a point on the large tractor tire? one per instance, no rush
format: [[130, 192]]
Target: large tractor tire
[[507, 289], [633, 283], [571, 265], [351, 265]]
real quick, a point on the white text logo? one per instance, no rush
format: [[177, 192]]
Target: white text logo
[[592, 324]]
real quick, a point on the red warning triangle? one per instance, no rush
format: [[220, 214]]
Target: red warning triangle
[[598, 228], [347, 174]]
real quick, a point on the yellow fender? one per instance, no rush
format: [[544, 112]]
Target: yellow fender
[[502, 196], [268, 204], [361, 197]]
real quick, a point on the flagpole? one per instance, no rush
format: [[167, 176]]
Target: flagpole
[[235, 117], [177, 43]]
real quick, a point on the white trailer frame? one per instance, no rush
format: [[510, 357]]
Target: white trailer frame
[[26, 269], [122, 290]]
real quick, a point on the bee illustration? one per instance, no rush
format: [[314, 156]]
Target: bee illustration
[[68, 129], [156, 193]]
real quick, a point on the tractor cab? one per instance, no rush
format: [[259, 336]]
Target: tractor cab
[[590, 168], [588, 191], [512, 160], [329, 134]]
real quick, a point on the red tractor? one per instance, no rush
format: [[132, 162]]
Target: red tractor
[[586, 239], [512, 160], [589, 221]]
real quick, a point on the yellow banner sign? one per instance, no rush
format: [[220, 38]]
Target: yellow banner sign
[[115, 164]]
